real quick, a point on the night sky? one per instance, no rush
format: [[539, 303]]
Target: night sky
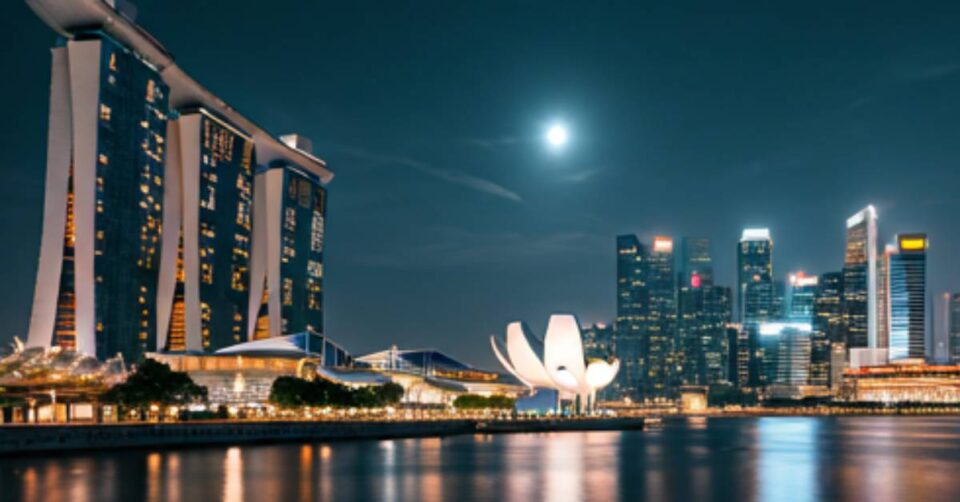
[[449, 216]]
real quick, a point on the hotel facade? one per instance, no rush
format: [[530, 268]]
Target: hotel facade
[[171, 221]]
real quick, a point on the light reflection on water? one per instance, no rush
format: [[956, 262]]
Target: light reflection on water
[[782, 458]]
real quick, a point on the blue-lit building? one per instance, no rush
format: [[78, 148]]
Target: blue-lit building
[[786, 353], [908, 297]]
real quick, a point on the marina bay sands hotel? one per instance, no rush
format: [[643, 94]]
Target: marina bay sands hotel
[[170, 221]]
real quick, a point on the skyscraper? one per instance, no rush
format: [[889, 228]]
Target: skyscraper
[[696, 261], [755, 290], [941, 328], [883, 296], [136, 147], [800, 295], [205, 270], [954, 336], [859, 280], [702, 347], [704, 311], [786, 347], [908, 297], [100, 250], [826, 327], [755, 293], [287, 269], [659, 328], [631, 314]]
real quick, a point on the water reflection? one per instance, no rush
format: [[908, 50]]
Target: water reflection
[[877, 459], [233, 475], [788, 450]]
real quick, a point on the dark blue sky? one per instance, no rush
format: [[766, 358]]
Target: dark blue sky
[[448, 216]]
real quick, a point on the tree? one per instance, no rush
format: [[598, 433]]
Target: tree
[[154, 382], [474, 401], [391, 393], [292, 392]]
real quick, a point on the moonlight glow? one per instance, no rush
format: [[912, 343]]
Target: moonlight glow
[[557, 135]]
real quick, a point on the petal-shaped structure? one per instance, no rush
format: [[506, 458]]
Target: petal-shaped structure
[[506, 362], [601, 373], [566, 381], [563, 367], [563, 350], [525, 361]]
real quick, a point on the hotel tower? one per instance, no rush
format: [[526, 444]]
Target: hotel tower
[[151, 216]]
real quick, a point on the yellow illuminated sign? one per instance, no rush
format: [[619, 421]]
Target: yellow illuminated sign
[[913, 244]]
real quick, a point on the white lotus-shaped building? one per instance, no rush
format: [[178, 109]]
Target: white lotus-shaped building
[[562, 366]]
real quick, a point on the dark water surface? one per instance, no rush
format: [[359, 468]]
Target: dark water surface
[[849, 458]]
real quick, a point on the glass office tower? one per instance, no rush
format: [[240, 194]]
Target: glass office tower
[[660, 326], [860, 280], [755, 290], [827, 326], [908, 297], [800, 295], [632, 299], [100, 251], [205, 275], [954, 328], [755, 293]]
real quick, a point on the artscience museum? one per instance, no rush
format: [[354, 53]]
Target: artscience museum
[[556, 363]]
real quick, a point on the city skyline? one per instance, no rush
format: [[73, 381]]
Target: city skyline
[[491, 251]]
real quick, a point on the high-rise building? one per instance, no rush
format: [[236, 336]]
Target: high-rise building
[[660, 326], [883, 296], [205, 272], [696, 261], [631, 314], [755, 293], [953, 346], [100, 250], [799, 298], [827, 326], [702, 351], [786, 347], [136, 147], [755, 289], [704, 311], [287, 267], [859, 280], [908, 297], [940, 312]]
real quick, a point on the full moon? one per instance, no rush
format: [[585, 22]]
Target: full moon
[[557, 135]]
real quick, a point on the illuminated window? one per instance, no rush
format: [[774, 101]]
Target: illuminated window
[[290, 219], [316, 233], [103, 159], [287, 291], [105, 112]]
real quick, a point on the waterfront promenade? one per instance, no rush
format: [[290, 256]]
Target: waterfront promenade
[[38, 438]]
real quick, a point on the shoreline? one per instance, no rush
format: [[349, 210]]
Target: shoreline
[[40, 439], [45, 438]]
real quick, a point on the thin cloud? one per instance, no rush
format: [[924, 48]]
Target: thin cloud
[[454, 176], [579, 176]]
